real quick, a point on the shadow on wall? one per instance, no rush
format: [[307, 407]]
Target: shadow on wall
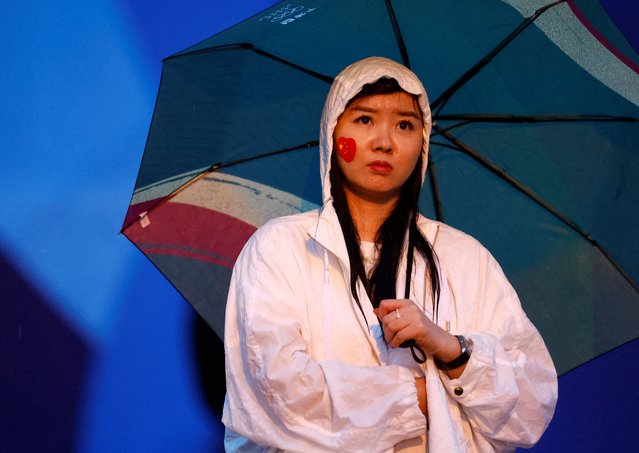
[[43, 365], [209, 357]]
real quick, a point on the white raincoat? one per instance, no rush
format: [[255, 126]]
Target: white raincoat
[[305, 372]]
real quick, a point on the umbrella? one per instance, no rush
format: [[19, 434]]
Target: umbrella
[[535, 108]]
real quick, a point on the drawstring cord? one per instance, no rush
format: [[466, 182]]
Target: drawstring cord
[[418, 353], [328, 307]]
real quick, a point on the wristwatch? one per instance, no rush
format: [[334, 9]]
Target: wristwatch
[[461, 359]]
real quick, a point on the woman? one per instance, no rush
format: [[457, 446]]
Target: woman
[[331, 312]]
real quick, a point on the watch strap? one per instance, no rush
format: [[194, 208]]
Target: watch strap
[[461, 359]]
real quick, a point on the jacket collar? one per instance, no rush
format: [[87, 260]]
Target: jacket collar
[[327, 232]]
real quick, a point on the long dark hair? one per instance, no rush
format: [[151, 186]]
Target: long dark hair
[[392, 233]]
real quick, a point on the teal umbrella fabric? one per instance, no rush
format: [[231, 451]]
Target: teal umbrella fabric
[[533, 152]]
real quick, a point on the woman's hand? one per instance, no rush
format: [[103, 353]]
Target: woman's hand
[[403, 320]]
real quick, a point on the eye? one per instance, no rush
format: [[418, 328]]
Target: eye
[[364, 119], [406, 125]]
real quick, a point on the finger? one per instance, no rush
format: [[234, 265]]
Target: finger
[[401, 317], [400, 337], [388, 305], [391, 326], [396, 337], [393, 320], [385, 307]]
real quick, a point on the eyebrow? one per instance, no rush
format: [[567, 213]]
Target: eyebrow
[[409, 113]]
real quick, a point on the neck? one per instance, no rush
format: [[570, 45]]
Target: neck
[[369, 215]]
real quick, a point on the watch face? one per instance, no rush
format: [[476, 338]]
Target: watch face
[[466, 344]]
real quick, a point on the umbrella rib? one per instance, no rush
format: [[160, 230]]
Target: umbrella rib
[[447, 145], [257, 50], [453, 126], [398, 34], [536, 198], [547, 118], [470, 118], [230, 163], [218, 166], [441, 101]]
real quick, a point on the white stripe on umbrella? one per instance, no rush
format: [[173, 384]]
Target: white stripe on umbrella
[[597, 60], [244, 199]]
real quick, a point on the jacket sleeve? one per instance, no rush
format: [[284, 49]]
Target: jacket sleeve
[[277, 395], [508, 390]]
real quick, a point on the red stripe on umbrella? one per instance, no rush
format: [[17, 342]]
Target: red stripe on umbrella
[[194, 232], [197, 255], [600, 37]]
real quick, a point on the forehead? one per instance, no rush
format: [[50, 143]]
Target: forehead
[[400, 103]]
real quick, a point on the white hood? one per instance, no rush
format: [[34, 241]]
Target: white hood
[[346, 85]]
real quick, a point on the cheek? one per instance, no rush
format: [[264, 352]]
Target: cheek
[[346, 148], [411, 157], [416, 150]]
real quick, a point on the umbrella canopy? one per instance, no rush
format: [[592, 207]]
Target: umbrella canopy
[[533, 147]]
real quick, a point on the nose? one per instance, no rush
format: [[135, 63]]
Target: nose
[[382, 139]]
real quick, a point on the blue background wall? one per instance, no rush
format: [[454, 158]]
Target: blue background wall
[[97, 351]]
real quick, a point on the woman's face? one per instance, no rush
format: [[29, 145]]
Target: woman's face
[[378, 140]]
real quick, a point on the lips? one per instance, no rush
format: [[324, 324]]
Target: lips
[[380, 166]]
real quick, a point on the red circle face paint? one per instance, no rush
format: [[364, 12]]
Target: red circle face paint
[[346, 148]]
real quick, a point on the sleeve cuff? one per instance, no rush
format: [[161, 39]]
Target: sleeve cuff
[[462, 387], [411, 418]]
